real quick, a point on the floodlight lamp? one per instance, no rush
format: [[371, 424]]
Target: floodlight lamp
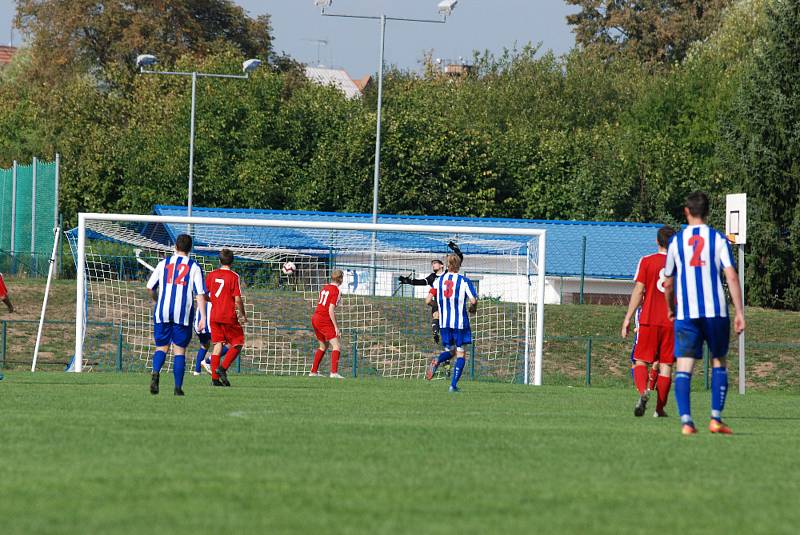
[[250, 65], [446, 7], [323, 3], [145, 60]]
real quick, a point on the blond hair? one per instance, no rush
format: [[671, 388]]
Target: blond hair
[[337, 276], [453, 263]]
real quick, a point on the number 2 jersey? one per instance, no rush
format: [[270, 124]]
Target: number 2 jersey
[[223, 289], [178, 280], [650, 272], [329, 295], [453, 292], [697, 256]]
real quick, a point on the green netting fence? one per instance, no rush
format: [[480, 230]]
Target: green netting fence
[[28, 215]]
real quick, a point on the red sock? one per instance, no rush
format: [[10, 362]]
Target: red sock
[[214, 365], [230, 356], [651, 385], [663, 384], [317, 359], [335, 361], [640, 378]]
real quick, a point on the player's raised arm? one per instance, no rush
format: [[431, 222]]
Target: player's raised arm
[[152, 282]]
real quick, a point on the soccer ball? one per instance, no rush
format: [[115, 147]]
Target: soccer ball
[[289, 268]]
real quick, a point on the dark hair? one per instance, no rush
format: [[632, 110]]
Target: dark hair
[[226, 257], [665, 234], [697, 203], [184, 243], [437, 261]]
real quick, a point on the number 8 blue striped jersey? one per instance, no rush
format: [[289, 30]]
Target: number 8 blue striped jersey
[[453, 292]]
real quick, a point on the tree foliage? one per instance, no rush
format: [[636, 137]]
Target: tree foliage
[[590, 135], [658, 31]]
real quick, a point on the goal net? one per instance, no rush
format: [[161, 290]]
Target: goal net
[[386, 326]]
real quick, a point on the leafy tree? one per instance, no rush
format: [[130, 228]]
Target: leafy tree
[[658, 31], [761, 147], [92, 36]]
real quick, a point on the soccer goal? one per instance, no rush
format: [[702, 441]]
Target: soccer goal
[[386, 326]]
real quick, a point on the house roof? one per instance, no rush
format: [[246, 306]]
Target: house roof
[[6, 53], [612, 249], [337, 78]]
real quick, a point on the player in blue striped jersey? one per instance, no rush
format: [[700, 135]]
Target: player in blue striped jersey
[[697, 258], [456, 296], [175, 285]]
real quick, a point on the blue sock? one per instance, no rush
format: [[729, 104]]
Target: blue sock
[[457, 369], [201, 354], [178, 369], [719, 389], [683, 387], [444, 356], [158, 361], [224, 350]]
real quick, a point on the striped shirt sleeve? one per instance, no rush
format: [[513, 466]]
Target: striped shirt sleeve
[[152, 282], [672, 252]]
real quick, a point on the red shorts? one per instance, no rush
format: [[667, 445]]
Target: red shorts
[[227, 333], [655, 342], [323, 328]]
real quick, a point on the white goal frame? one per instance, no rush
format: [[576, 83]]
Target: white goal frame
[[541, 234]]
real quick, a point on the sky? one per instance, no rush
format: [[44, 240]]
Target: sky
[[353, 44]]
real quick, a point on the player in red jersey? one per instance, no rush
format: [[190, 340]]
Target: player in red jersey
[[656, 339], [226, 329], [4, 294], [325, 327]]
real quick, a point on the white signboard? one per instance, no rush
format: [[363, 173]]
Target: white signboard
[[736, 218]]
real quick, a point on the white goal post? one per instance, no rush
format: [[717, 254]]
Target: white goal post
[[524, 248]]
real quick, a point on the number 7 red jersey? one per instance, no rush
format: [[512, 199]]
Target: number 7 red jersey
[[650, 272], [223, 289], [329, 295]]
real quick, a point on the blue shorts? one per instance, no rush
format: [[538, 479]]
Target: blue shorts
[[172, 333], [204, 338], [455, 337], [690, 335]]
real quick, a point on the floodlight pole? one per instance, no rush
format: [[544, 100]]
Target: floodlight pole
[[379, 122], [194, 76]]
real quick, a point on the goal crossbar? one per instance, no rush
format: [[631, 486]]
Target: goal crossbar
[[540, 234]]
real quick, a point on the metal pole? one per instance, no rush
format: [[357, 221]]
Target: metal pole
[[55, 190], [541, 273], [377, 174], [377, 178], [33, 212], [741, 336], [191, 147], [50, 270], [583, 266], [80, 298], [13, 214], [526, 379]]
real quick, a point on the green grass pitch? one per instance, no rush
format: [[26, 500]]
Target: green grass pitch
[[97, 453]]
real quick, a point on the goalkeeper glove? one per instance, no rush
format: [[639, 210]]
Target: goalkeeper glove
[[404, 280], [452, 245], [472, 308]]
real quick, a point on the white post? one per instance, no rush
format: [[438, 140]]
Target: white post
[[741, 336], [191, 148], [50, 270], [377, 174], [33, 211], [55, 189], [13, 209], [540, 287], [80, 300], [526, 375]]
